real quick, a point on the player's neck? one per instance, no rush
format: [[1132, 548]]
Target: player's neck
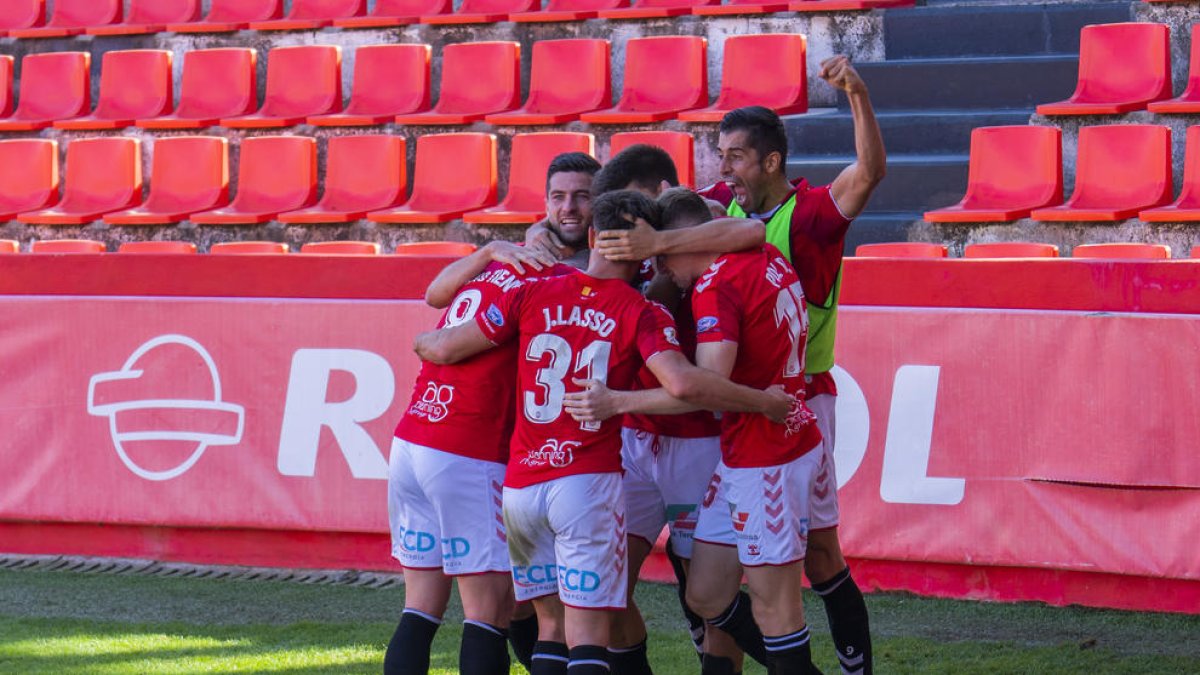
[[777, 191], [600, 267], [577, 258]]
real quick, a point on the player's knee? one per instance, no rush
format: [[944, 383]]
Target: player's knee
[[704, 603]]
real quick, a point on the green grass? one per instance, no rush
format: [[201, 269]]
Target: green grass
[[55, 622]]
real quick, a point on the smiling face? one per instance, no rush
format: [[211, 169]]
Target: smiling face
[[747, 174], [569, 206]]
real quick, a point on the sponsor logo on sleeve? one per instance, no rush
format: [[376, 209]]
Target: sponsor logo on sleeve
[[669, 335], [494, 315], [706, 323]]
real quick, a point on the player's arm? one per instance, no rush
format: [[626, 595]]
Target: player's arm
[[451, 345], [540, 238], [454, 276], [723, 235], [854, 184]]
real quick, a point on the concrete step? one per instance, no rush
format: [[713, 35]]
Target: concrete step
[[991, 83], [828, 131], [874, 227], [913, 182]]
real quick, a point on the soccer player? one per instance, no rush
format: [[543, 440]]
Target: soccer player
[[563, 502]]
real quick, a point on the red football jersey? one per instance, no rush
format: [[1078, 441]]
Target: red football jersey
[[467, 408], [573, 326], [754, 299]]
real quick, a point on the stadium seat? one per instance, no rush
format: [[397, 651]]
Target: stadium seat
[[133, 84], [457, 249], [483, 11], [301, 81], [362, 173], [6, 85], [389, 80], [18, 14], [73, 17], [530, 157], [249, 248], [1186, 209], [188, 174], [1010, 249], [275, 174], [1013, 170], [844, 5], [677, 144], [67, 246], [1189, 100], [655, 9], [902, 249], [9, 246], [313, 14], [567, 79], [567, 10], [478, 78], [54, 86], [1195, 252], [170, 247], [28, 176], [151, 16], [227, 16], [217, 83], [663, 77], [1123, 251], [341, 248], [1122, 67], [102, 175], [396, 13], [454, 173], [1120, 170], [767, 70], [741, 7]]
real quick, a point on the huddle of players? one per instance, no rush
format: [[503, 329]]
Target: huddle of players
[[511, 471]]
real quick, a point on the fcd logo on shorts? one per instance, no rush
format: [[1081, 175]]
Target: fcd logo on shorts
[[558, 454]]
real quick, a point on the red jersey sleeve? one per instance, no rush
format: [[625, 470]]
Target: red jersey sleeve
[[656, 331], [818, 216], [718, 192], [498, 319], [717, 311]]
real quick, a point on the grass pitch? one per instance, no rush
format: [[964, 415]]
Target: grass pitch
[[56, 622]]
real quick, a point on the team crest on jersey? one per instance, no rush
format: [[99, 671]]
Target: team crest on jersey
[[435, 402], [669, 335], [553, 453], [706, 323], [495, 315]]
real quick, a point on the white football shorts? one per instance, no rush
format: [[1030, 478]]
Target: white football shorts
[[665, 478], [824, 512]]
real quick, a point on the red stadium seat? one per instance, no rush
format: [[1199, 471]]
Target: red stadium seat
[[168, 247], [151, 16], [741, 7], [248, 248], [133, 84], [454, 174], [1013, 171], [483, 11], [1123, 251], [341, 248], [54, 86], [103, 175], [67, 246], [530, 157], [567, 79], [396, 13], [28, 176], [189, 174], [1186, 209], [313, 14], [845, 5], [10, 246], [677, 144], [654, 9], [73, 17], [767, 70], [457, 249], [902, 249], [478, 78], [216, 83], [567, 10], [1195, 252], [1120, 170], [6, 85], [362, 173], [17, 14], [1189, 100], [1122, 67], [227, 16], [389, 80], [1010, 249], [663, 77], [276, 174], [301, 81]]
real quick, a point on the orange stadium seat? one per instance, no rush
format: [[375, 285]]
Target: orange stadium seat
[[567, 10], [28, 176], [396, 13], [10, 246], [1186, 209], [457, 249], [313, 14], [102, 175], [1122, 67], [389, 80], [1010, 249], [478, 78], [530, 157], [151, 16], [1126, 251], [741, 7], [17, 14], [902, 249], [844, 5], [301, 81], [6, 85], [767, 70], [227, 16], [362, 173], [171, 247], [249, 248], [483, 11], [1121, 170], [54, 86], [655, 9], [67, 246], [189, 174], [133, 84], [216, 83], [341, 248], [567, 79], [677, 144], [663, 77], [1013, 170], [275, 174], [1189, 100], [454, 173], [73, 17]]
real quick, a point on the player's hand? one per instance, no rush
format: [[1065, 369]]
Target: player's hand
[[539, 238], [518, 256], [779, 404], [837, 71], [595, 403], [629, 245]]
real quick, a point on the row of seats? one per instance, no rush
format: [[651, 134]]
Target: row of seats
[[1020, 249], [665, 78], [455, 249], [365, 176], [25, 18]]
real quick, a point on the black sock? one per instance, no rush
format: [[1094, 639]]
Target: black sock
[[717, 665], [790, 654], [484, 650], [588, 660], [695, 623], [408, 652], [522, 635], [549, 658], [848, 621], [630, 661], [739, 623]]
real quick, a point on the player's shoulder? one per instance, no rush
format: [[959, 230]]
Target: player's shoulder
[[718, 192]]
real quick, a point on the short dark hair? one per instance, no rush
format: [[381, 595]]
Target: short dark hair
[[643, 165], [764, 130], [571, 162], [610, 209], [683, 208]]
